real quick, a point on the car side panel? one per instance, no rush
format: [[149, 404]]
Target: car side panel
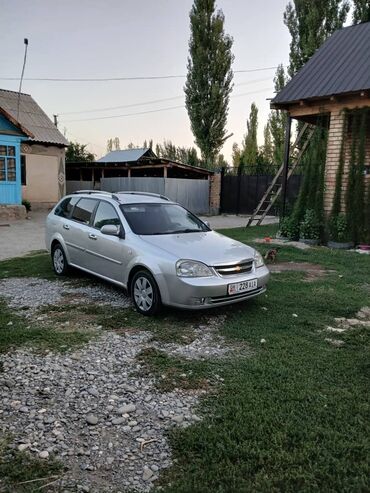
[[106, 255]]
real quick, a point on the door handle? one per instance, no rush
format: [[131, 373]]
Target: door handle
[[92, 237], [66, 226]]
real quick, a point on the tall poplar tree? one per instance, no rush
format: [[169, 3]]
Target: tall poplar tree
[[267, 151], [361, 11], [310, 22], [209, 79], [277, 119], [250, 149]]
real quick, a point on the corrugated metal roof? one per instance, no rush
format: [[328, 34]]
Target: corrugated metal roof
[[32, 117], [341, 65], [125, 156]]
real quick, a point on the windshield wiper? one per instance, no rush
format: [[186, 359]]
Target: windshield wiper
[[187, 230]]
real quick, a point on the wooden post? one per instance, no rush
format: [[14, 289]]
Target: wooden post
[[164, 171], [286, 162], [129, 173]]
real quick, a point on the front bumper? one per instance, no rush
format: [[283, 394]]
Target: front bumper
[[207, 292]]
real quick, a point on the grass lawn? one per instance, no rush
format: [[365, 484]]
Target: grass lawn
[[293, 415]]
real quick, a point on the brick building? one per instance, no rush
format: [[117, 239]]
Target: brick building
[[334, 82]]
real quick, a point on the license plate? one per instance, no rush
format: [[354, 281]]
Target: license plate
[[242, 287]]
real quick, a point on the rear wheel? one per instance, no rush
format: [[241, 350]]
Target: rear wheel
[[145, 293], [59, 259]]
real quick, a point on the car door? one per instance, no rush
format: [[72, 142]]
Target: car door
[[107, 254], [78, 229]]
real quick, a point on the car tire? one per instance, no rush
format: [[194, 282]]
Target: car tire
[[59, 260], [145, 293]]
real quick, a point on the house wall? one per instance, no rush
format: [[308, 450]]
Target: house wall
[[10, 191], [45, 175]]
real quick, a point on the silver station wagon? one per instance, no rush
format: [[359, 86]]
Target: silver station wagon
[[157, 250]]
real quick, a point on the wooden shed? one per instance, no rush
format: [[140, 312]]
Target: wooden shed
[[133, 163]]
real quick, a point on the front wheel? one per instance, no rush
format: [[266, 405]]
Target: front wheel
[[145, 293], [59, 259]]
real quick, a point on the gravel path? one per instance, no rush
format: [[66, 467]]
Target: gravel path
[[90, 410], [31, 293], [96, 409]]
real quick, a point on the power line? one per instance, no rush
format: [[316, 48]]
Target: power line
[[153, 101], [157, 110], [112, 79]]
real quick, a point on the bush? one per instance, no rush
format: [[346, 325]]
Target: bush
[[310, 226], [338, 229], [27, 205], [292, 229], [284, 226]]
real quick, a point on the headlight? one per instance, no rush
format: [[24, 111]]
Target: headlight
[[191, 268], [258, 259]]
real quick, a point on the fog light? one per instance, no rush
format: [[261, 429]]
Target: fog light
[[197, 301]]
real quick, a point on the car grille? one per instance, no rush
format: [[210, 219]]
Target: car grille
[[242, 267]]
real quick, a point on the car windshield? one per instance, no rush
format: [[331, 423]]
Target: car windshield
[[161, 219]]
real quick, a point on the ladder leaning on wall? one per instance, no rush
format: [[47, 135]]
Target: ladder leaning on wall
[[275, 187]]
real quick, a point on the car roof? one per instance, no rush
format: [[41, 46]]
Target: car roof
[[126, 197]]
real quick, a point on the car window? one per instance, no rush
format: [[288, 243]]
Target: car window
[[105, 214], [83, 210], [65, 207], [161, 219]]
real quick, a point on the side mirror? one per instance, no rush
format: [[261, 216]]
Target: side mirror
[[112, 230], [207, 224]]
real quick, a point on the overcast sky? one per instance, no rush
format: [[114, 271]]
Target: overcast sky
[[128, 38]]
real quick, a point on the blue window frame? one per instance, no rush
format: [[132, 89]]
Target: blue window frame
[[8, 167]]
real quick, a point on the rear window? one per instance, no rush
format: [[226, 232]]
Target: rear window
[[83, 210], [65, 207]]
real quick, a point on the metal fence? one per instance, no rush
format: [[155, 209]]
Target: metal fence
[[240, 194], [192, 194]]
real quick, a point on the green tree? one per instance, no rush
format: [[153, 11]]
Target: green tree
[[267, 150], [236, 155], [209, 79], [250, 148], [187, 155], [361, 11], [113, 144], [310, 22], [77, 153], [277, 119]]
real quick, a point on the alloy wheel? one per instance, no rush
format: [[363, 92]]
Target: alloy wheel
[[143, 293], [58, 259]]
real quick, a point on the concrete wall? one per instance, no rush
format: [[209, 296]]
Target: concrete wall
[[45, 175]]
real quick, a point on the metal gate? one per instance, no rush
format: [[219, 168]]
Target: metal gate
[[241, 193]]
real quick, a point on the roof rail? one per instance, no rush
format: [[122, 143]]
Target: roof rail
[[90, 192], [146, 193], [102, 192]]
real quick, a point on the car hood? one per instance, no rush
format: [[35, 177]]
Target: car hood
[[209, 247]]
